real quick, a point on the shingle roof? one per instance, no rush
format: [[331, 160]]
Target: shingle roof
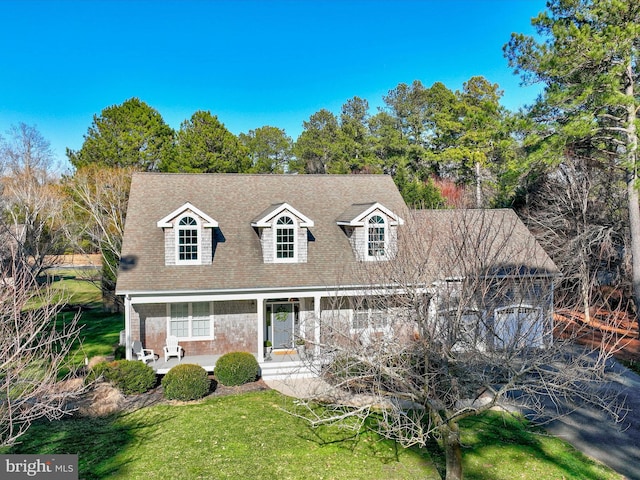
[[494, 242], [354, 211], [237, 200], [234, 201]]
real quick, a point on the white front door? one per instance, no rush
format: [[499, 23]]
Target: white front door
[[282, 325]]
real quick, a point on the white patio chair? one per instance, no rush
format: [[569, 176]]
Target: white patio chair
[[172, 349], [143, 354]]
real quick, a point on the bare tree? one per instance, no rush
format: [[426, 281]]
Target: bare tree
[[460, 322], [34, 351], [577, 216], [98, 206], [31, 200]]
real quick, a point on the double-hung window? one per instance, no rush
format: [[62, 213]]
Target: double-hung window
[[191, 320], [376, 237], [375, 318], [188, 244], [285, 239]]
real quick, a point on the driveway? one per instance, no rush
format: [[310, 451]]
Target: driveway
[[617, 446]]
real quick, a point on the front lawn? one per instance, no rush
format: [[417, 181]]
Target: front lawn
[[231, 437], [250, 436]]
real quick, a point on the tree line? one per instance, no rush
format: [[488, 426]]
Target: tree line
[[422, 136], [442, 147]]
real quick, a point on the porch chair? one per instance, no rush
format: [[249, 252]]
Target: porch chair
[[172, 349], [143, 354]]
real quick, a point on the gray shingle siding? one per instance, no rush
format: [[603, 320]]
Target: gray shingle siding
[[169, 246], [206, 257]]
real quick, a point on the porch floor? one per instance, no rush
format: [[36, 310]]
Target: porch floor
[[208, 362]]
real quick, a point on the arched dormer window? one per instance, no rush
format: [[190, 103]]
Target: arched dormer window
[[188, 241], [372, 230], [285, 239], [376, 237], [189, 237], [284, 234]]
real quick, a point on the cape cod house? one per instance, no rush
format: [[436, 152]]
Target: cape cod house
[[237, 262]]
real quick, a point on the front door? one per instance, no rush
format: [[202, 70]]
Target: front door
[[282, 324]]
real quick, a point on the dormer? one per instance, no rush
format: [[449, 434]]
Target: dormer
[[284, 233], [372, 230], [188, 236]]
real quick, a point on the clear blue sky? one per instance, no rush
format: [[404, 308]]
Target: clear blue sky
[[251, 63]]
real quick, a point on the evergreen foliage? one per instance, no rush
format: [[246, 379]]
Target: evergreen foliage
[[186, 382], [128, 135], [236, 368], [128, 376]]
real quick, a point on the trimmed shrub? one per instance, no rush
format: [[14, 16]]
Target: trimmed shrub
[[186, 382], [236, 368], [130, 376], [96, 370]]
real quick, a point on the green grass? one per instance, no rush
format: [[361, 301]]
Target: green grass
[[99, 335], [250, 436], [232, 437], [100, 330], [76, 287], [500, 446], [633, 365]]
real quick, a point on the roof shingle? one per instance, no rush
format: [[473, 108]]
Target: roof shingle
[[234, 201]]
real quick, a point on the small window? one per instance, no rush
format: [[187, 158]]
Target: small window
[[190, 320], [376, 237], [285, 239], [188, 240]]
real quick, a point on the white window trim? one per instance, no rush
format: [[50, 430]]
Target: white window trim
[[370, 312], [167, 222], [198, 227], [385, 219], [295, 227], [211, 335], [282, 209]]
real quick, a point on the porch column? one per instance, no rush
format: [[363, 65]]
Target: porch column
[[260, 307], [316, 314], [127, 326]]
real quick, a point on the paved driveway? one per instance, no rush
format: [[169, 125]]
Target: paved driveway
[[617, 446]]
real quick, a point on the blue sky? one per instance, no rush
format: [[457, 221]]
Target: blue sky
[[251, 63]]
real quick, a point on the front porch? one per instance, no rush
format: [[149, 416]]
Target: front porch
[[280, 364]]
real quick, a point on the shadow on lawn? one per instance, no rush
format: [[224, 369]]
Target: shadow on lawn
[[100, 442], [383, 450], [494, 434]]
